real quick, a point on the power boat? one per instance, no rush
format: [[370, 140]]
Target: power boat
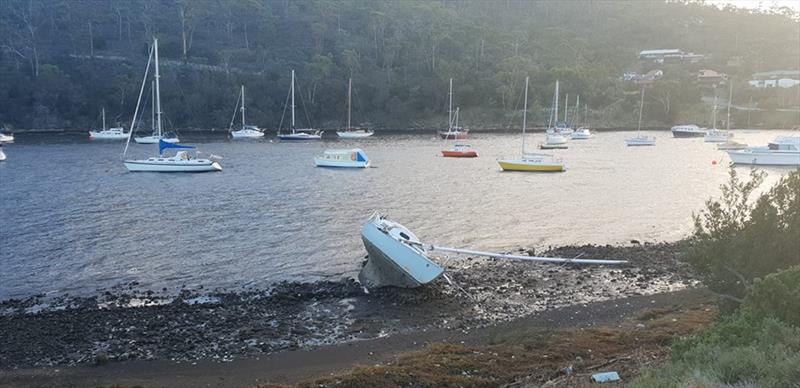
[[355, 133], [354, 158], [731, 145], [247, 131], [689, 130], [6, 138], [396, 256], [717, 136], [554, 141], [349, 132], [182, 160], [581, 133], [108, 133], [534, 162], [783, 151], [640, 139], [460, 151], [299, 134]]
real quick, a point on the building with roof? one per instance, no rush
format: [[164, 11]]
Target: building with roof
[[709, 76], [775, 79]]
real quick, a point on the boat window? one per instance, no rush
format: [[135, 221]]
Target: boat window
[[405, 236]]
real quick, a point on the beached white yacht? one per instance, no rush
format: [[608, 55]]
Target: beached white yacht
[[640, 139], [783, 151], [108, 133], [354, 158], [350, 132], [182, 161], [6, 138], [532, 161], [299, 134], [247, 131]]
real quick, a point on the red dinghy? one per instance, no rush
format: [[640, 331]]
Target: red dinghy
[[460, 151]]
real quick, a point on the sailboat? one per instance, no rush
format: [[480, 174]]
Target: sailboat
[[299, 134], [555, 136], [182, 161], [460, 150], [108, 134], [561, 128], [531, 161], [6, 138], [715, 135], [2, 154], [640, 139], [157, 136], [582, 132], [247, 131], [453, 131], [350, 132]]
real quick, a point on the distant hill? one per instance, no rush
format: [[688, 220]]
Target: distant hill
[[61, 61]]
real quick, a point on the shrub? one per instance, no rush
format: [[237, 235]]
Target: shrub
[[777, 295]]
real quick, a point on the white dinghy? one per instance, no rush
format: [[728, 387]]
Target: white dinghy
[[398, 258]]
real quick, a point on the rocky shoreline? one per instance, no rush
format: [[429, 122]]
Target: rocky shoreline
[[127, 323]]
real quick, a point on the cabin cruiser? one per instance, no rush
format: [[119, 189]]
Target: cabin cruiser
[[783, 151], [689, 130], [354, 158]]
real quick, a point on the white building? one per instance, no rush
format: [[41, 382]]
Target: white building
[[775, 79]]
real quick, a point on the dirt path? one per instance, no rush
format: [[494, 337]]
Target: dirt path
[[292, 366]]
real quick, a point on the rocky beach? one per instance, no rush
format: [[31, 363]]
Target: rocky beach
[[184, 326]]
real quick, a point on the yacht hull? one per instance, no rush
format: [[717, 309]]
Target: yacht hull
[[246, 134], [459, 154], [107, 136], [154, 140], [299, 137], [521, 165], [683, 134], [321, 162], [765, 158], [354, 134], [190, 166]]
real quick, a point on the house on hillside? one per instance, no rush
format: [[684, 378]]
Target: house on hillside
[[642, 79], [662, 55], [708, 76], [775, 79]]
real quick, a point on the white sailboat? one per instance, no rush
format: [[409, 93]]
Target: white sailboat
[[532, 161], [582, 132], [2, 154], [108, 134], [169, 137], [350, 132], [715, 135], [640, 139], [556, 137], [247, 131], [6, 138], [299, 134], [453, 131], [182, 161]]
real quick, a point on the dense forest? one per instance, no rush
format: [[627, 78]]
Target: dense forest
[[61, 61]]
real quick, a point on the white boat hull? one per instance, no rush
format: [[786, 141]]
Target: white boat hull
[[299, 136], [717, 136], [196, 165], [155, 139], [2, 156], [354, 134], [640, 141], [6, 138], [764, 158], [107, 136], [247, 134], [581, 135], [321, 162]]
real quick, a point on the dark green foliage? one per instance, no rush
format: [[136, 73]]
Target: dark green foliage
[[777, 295], [61, 61], [737, 239]]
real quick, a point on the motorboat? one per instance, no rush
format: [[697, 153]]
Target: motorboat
[[396, 256], [247, 131], [349, 132], [108, 133], [355, 133], [182, 160], [689, 130], [534, 162], [460, 151], [298, 134], [353, 158], [717, 136], [554, 141], [731, 145], [783, 151], [6, 138], [581, 133], [640, 139]]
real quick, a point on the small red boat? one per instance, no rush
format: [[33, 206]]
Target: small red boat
[[460, 151]]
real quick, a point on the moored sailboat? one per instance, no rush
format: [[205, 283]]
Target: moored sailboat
[[108, 133], [453, 131], [715, 135], [247, 131], [640, 139], [531, 161], [157, 135], [350, 132], [298, 134]]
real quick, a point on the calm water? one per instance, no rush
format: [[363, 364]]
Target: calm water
[[73, 220]]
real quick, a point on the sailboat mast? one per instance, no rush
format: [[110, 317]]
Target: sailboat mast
[[349, 100], [153, 106], [525, 114], [292, 100], [450, 109], [730, 101], [576, 116], [556, 108], [566, 108], [158, 91], [242, 106], [714, 113], [104, 119], [641, 107]]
